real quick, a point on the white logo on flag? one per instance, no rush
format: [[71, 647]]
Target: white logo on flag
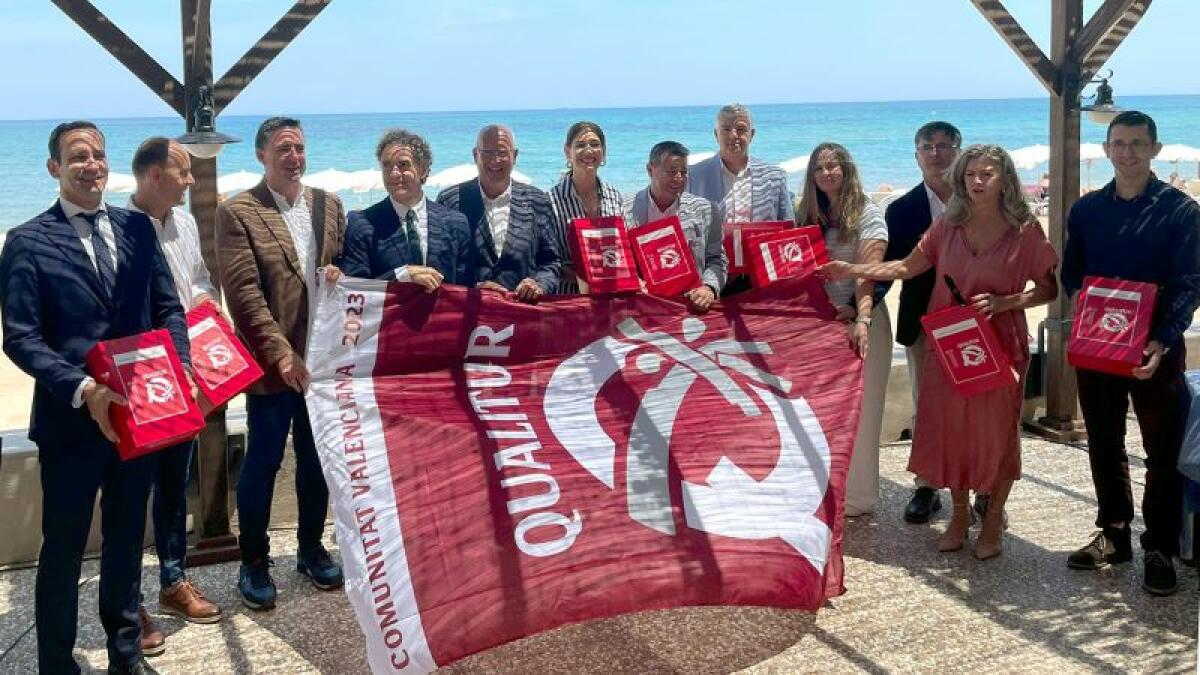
[[1114, 322], [159, 390], [730, 502], [219, 355], [973, 355], [669, 258], [610, 256]]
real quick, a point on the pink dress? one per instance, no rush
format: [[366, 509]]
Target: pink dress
[[975, 442]]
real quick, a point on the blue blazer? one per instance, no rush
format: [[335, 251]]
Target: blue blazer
[[54, 311], [375, 243], [907, 219], [529, 249]]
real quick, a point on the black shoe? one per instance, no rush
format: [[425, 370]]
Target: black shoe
[[924, 503], [319, 566], [1110, 546], [139, 667], [1160, 574]]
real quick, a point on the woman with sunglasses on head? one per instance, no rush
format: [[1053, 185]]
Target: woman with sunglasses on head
[[581, 194], [855, 231], [992, 246]]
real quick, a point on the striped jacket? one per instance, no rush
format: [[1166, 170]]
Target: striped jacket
[[701, 226], [770, 197], [567, 207], [529, 249]]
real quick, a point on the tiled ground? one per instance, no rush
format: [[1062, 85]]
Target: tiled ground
[[907, 608]]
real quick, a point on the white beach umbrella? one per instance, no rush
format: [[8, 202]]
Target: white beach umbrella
[[330, 180], [1088, 153], [697, 157], [1030, 156], [1176, 152], [462, 173], [237, 181], [120, 183], [365, 180]]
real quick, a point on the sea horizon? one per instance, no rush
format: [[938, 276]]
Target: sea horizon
[[877, 133]]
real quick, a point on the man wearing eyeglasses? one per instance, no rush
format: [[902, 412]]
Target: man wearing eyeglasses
[[1138, 228], [511, 222], [908, 218]]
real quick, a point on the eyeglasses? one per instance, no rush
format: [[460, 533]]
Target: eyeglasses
[[496, 154], [930, 148], [1139, 146]]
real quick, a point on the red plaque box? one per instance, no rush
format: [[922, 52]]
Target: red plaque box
[[737, 246], [794, 252], [664, 258], [1112, 325], [603, 256], [146, 370], [969, 351], [221, 364]]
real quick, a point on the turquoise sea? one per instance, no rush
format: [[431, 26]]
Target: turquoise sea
[[879, 135]]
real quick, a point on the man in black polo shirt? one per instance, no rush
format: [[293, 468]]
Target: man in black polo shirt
[[1139, 228]]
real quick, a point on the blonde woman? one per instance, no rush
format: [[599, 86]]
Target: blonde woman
[[854, 231], [989, 242]]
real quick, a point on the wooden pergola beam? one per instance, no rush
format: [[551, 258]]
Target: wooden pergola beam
[[125, 50], [265, 50], [1104, 32], [1016, 38]]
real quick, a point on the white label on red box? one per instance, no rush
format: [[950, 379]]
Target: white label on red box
[[663, 253], [739, 256], [150, 385], [215, 359], [963, 346], [791, 254], [1108, 316], [603, 246]]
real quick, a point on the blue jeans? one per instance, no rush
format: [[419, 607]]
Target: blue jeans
[[70, 478], [268, 418], [170, 511]]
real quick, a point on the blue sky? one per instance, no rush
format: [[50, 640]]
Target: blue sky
[[403, 55]]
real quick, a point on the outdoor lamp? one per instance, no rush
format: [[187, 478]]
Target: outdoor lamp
[[204, 141], [1102, 110]]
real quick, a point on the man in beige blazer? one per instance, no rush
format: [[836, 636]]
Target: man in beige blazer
[[271, 240]]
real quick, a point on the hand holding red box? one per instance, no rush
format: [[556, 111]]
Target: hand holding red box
[[784, 254], [603, 256], [146, 370], [664, 258], [1111, 325]]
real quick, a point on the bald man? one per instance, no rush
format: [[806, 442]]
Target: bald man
[[511, 222]]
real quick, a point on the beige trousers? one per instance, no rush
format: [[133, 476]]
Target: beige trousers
[[862, 485]]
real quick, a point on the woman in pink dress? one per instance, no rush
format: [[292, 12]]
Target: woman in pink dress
[[991, 245]]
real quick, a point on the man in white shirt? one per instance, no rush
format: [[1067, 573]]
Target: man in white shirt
[[163, 171]]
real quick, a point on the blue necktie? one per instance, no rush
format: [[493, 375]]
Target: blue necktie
[[104, 264], [413, 239]]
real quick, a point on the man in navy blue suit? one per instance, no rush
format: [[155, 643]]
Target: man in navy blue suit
[[82, 272], [512, 223], [406, 236]]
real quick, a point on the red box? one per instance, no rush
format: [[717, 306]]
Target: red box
[[1111, 325], [969, 351], [146, 370], [736, 244], [221, 364], [603, 256], [664, 258], [794, 252]]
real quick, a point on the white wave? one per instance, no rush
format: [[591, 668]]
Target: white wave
[[795, 164]]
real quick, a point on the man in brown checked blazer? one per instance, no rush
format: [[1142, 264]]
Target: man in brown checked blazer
[[271, 240]]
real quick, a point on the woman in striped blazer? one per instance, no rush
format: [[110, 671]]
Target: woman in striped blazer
[[581, 194]]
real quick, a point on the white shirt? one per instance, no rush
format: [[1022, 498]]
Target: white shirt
[[84, 229], [299, 223], [180, 241], [497, 211], [652, 212], [738, 199], [936, 206], [421, 223]]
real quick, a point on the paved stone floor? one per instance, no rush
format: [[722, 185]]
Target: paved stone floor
[[907, 608]]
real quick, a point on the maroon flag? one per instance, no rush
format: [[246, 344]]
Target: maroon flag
[[498, 469]]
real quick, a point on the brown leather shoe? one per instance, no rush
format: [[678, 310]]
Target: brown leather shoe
[[186, 601], [153, 640]]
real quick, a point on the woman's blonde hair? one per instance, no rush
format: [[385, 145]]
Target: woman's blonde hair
[[1012, 194], [813, 207]]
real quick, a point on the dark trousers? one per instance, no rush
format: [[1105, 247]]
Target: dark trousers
[[268, 418], [1160, 404], [170, 511], [70, 478]]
